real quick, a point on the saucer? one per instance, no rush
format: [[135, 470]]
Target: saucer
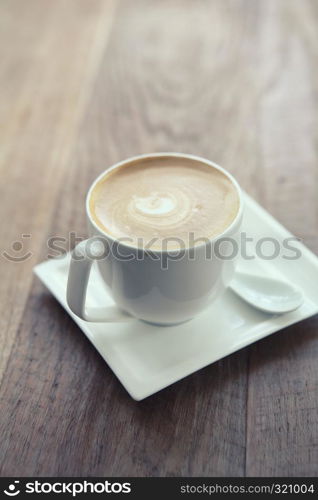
[[148, 358]]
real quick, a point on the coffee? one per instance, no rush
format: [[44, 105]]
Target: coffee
[[163, 201]]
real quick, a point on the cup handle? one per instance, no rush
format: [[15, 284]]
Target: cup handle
[[78, 275]]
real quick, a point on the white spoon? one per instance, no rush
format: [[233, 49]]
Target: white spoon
[[269, 295]]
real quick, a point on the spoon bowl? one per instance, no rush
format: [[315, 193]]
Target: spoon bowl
[[267, 294]]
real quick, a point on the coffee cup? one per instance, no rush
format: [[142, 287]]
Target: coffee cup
[[189, 208]]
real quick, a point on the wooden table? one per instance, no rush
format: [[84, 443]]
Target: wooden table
[[85, 83]]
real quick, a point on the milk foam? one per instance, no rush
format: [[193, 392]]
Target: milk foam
[[154, 204], [164, 198]]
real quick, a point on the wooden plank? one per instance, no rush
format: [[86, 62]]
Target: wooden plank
[[282, 426], [282, 404], [288, 120], [49, 59]]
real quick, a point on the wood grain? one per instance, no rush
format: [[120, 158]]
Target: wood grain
[[234, 81], [282, 404], [282, 425], [45, 78]]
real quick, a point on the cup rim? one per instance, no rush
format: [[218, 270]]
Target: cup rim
[[131, 159]]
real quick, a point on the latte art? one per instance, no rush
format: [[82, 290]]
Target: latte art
[[166, 199], [160, 210], [154, 204]]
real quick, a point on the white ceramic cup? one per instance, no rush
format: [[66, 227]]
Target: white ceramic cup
[[166, 287]]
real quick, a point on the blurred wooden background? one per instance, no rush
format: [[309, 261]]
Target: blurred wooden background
[[85, 83]]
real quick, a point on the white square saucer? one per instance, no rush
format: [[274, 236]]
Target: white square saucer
[[148, 358]]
